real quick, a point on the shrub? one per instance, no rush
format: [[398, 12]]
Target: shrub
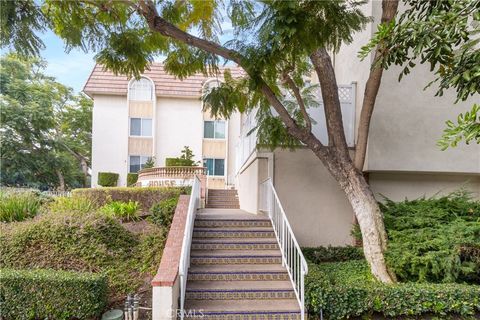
[[131, 178], [163, 211], [146, 197], [48, 294], [72, 204], [332, 254], [107, 179], [347, 289], [126, 211], [434, 240], [178, 162], [18, 206]]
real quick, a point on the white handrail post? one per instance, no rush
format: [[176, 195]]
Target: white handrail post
[[292, 257]]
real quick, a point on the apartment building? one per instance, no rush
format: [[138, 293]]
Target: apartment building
[[157, 115]]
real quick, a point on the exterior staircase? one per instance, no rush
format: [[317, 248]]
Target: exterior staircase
[[236, 268], [222, 198]]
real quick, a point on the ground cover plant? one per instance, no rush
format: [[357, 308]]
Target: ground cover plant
[[433, 251], [76, 235]]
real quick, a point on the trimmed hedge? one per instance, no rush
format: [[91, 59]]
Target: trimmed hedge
[[332, 254], [179, 162], [131, 178], [50, 294], [107, 179], [146, 197], [347, 289]]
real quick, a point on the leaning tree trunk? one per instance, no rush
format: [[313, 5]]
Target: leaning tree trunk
[[370, 221]]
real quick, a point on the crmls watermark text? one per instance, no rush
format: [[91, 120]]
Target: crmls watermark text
[[190, 313]]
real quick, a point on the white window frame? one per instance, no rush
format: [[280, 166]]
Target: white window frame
[[215, 129], [141, 127], [138, 88], [136, 155], [224, 167]]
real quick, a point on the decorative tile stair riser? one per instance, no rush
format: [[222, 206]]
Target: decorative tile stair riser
[[236, 270]]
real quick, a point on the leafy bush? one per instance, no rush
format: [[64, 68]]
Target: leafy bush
[[107, 179], [434, 240], [18, 206], [126, 211], [72, 204], [162, 212], [131, 178], [146, 197], [185, 160], [332, 254], [48, 294], [347, 289]]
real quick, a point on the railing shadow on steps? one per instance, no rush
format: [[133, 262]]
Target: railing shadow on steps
[[292, 257], [194, 204]]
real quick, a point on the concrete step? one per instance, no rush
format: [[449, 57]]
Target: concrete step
[[234, 244], [234, 232], [213, 223], [244, 309], [235, 257], [239, 290], [239, 272]]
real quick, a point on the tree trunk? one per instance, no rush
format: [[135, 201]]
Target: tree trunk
[[84, 166], [61, 180], [370, 220]]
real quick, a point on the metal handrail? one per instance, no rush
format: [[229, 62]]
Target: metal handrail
[[193, 205], [292, 257]]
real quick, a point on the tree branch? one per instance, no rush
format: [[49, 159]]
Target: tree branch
[[389, 9], [156, 23], [333, 112], [296, 92]]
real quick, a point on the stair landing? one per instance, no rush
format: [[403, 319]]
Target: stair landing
[[236, 270]]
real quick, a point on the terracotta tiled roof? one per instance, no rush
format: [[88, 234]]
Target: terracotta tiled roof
[[102, 81]]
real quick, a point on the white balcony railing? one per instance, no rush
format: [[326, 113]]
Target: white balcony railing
[[292, 257], [193, 205]]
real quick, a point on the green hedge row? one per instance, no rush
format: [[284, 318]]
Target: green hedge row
[[346, 289], [179, 162], [50, 294], [108, 179], [146, 197]]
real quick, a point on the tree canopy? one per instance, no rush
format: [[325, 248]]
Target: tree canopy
[[45, 130]]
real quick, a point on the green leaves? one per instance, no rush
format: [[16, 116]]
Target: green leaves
[[467, 128]]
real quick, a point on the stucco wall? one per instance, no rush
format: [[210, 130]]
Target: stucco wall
[[398, 186], [110, 137], [408, 121], [179, 123], [248, 183], [316, 207]]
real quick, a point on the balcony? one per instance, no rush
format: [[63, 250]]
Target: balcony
[[169, 176]]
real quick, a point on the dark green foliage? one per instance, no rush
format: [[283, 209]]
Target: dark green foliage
[[50, 294], [332, 254], [107, 179], [347, 289], [162, 212], [45, 129], [146, 197], [150, 163], [132, 178], [434, 240]]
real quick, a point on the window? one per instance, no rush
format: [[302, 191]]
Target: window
[[141, 90], [214, 129], [141, 127], [137, 163], [215, 167]]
